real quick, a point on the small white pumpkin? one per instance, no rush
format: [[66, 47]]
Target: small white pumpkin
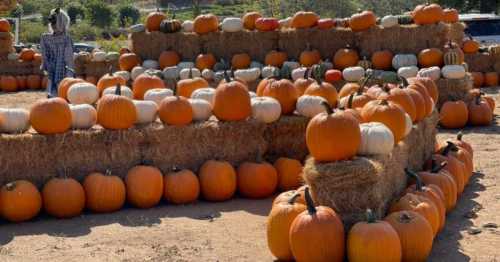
[[232, 24], [408, 71], [202, 110], [187, 26], [184, 65], [99, 56], [112, 56], [252, 94], [14, 120], [256, 64], [299, 73], [353, 74], [433, 73], [291, 64], [208, 74], [137, 71], [402, 60], [139, 28], [310, 106], [409, 124], [269, 71], [83, 93], [249, 75], [126, 91], [389, 21], [171, 72], [83, 116], [124, 74], [150, 64], [285, 23], [187, 73], [146, 111], [453, 72], [207, 94], [266, 109], [12, 57], [158, 94], [376, 139]]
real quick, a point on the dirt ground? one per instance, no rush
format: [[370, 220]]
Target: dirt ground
[[235, 230]]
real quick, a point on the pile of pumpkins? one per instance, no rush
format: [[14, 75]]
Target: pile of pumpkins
[[10, 83], [478, 112], [299, 229], [426, 14], [145, 186]]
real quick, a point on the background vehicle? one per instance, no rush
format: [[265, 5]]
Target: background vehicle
[[484, 28], [79, 47]]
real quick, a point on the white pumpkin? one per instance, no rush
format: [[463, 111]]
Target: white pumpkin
[[252, 94], [83, 116], [376, 139], [146, 111], [299, 73], [123, 74], [285, 23], [402, 60], [137, 71], [266, 109], [256, 64], [269, 71], [14, 120], [207, 94], [158, 94], [171, 72], [150, 64], [112, 56], [184, 65], [249, 75], [291, 64], [232, 24], [187, 26], [99, 56], [389, 21], [126, 91], [188, 73], [353, 74], [453, 72], [137, 28], [208, 74], [409, 124], [433, 73], [310, 106], [202, 110], [83, 93], [408, 71], [12, 57]]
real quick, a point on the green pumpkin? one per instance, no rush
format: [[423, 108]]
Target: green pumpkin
[[383, 76]]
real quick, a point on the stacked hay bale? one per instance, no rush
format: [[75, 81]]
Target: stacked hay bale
[[6, 44]]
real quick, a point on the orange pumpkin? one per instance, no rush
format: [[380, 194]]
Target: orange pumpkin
[[403, 99], [478, 78], [453, 114], [4, 25], [8, 83], [323, 89], [309, 57], [45, 82], [462, 155], [37, 58], [205, 61], [146, 82], [241, 61], [438, 176], [249, 20], [427, 14], [470, 46], [187, 86], [265, 24], [356, 100], [480, 113], [461, 143], [349, 89], [204, 24], [326, 24], [50, 116], [19, 201], [175, 110], [27, 54], [420, 204], [450, 15], [181, 187], [303, 83], [257, 180], [333, 76], [128, 61], [285, 196], [124, 50], [454, 166], [115, 111], [285, 92], [345, 57], [144, 186], [429, 104], [388, 113], [303, 19], [169, 58], [275, 58], [419, 102], [218, 180], [104, 193], [382, 60], [33, 81], [20, 81], [289, 173], [491, 102], [429, 84], [63, 197], [362, 21], [430, 57], [491, 79], [65, 84], [232, 101], [154, 19]]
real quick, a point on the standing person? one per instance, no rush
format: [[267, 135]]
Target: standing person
[[57, 50]]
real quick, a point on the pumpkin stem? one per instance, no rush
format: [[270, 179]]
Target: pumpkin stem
[[370, 216], [107, 173], [478, 100], [327, 106], [10, 186], [118, 90], [285, 72], [417, 178], [227, 77], [175, 169], [384, 102], [460, 135], [449, 147], [110, 70], [306, 73], [310, 203], [437, 168], [405, 218], [292, 199], [190, 76], [350, 100], [404, 81]]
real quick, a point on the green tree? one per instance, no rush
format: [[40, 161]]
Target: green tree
[[99, 13], [75, 11], [128, 15]]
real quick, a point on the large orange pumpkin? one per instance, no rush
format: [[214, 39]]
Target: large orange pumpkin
[[50, 116], [65, 84], [309, 57], [285, 92], [285, 196], [480, 113], [491, 79], [63, 197], [429, 104], [154, 19], [104, 193], [175, 110], [403, 99], [427, 14], [204, 24], [4, 25], [115, 111], [232, 101], [144, 186], [146, 82], [323, 89], [249, 20], [430, 57], [388, 113], [345, 57], [419, 102], [429, 84], [438, 176], [19, 201], [362, 21], [27, 54], [257, 179], [181, 187], [241, 61], [326, 23], [34, 81], [205, 61], [421, 205], [382, 60], [450, 15], [186, 87], [289, 173], [453, 114], [8, 83], [128, 61], [169, 58], [303, 83], [218, 180], [470, 46], [303, 19]]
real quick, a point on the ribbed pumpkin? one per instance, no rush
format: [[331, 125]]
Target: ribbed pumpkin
[[128, 61], [420, 204], [429, 84], [415, 234], [275, 58], [387, 113], [50, 116], [218, 180], [241, 61], [169, 58], [205, 60], [171, 25], [362, 21], [427, 14], [419, 102], [480, 113], [454, 166], [257, 179], [453, 114], [204, 24], [285, 92], [249, 20], [309, 57], [429, 104], [232, 101], [453, 54], [478, 78], [491, 79], [333, 136], [279, 221], [175, 110], [20, 81], [470, 46], [304, 19], [289, 173], [19, 201], [144, 186], [63, 197], [382, 60], [115, 111], [27, 54], [317, 234], [345, 57], [105, 193], [430, 57], [403, 99], [181, 187], [154, 19], [8, 83], [303, 83], [438, 176], [109, 80], [366, 238], [144, 83]]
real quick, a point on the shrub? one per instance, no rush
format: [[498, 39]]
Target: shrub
[[84, 32], [128, 15], [75, 11], [99, 13], [31, 31]]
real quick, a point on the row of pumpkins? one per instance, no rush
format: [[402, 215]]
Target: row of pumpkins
[[297, 229], [422, 15], [478, 112], [144, 186], [10, 83]]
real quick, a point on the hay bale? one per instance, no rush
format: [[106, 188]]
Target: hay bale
[[6, 43], [480, 62], [350, 187], [456, 32], [98, 69], [139, 43], [454, 89], [286, 138], [18, 67]]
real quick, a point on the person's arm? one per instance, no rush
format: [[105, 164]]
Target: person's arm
[[68, 54], [45, 54]]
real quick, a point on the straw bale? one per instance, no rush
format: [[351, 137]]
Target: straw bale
[[139, 43], [6, 42], [456, 32], [480, 62], [454, 89], [18, 67], [350, 187], [286, 138], [98, 69]]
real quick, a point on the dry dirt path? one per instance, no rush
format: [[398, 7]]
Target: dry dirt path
[[235, 230]]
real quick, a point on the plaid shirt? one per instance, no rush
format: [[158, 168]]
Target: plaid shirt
[[57, 52]]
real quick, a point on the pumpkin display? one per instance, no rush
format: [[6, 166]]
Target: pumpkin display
[[289, 173], [170, 25], [470, 46], [453, 54], [181, 187], [376, 139], [205, 61], [257, 179], [275, 58], [249, 20], [345, 57], [304, 19], [478, 78], [366, 238], [266, 109], [8, 83], [4, 25], [438, 176], [453, 114], [19, 201], [154, 19], [63, 197], [421, 205], [232, 101], [14, 120], [218, 181], [491, 79], [317, 234], [415, 234], [427, 14], [27, 54], [109, 80], [310, 106], [146, 111], [279, 221], [387, 113], [430, 57], [241, 61], [83, 116], [144, 83], [404, 60], [104, 193], [362, 21], [265, 24], [389, 21], [128, 61], [83, 93], [204, 24], [115, 111], [144, 186], [202, 109], [50, 116], [326, 24], [333, 136], [453, 72], [382, 60], [450, 15], [480, 113], [175, 110]]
